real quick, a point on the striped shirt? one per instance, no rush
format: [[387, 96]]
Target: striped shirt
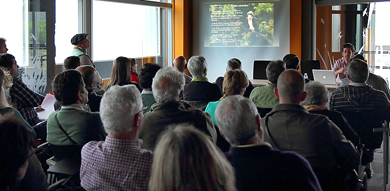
[[24, 100], [115, 164]]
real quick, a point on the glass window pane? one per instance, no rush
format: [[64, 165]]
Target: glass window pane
[[336, 32], [67, 17], [336, 8], [125, 30]]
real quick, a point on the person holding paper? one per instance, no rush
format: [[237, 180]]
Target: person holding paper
[[26, 101]]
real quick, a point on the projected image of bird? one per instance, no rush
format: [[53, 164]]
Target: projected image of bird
[[250, 21]]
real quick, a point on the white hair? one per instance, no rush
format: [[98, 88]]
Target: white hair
[[196, 65], [167, 85], [236, 117], [118, 108]]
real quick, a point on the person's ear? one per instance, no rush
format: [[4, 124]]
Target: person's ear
[[137, 124], [303, 96], [259, 131], [276, 92], [173, 64], [181, 94]]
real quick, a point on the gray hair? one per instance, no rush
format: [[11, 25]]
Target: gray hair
[[118, 108], [358, 71], [235, 116], [317, 93], [167, 85], [196, 65], [274, 69]]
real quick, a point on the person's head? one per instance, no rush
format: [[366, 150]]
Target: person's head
[[238, 120], [197, 66], [80, 40], [148, 71], [6, 83], [233, 64], [357, 71], [3, 46], [8, 62], [121, 110], [90, 76], [133, 64], [69, 88], [359, 56], [274, 69], [316, 94], [290, 87], [235, 82], [16, 142], [186, 159], [292, 61], [180, 63], [71, 62], [168, 85], [121, 71], [348, 51]]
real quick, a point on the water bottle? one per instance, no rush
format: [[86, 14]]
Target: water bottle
[[305, 76]]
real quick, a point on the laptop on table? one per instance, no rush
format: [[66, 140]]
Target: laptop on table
[[327, 77]]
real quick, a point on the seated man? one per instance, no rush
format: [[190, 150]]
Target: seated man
[[264, 96], [200, 89], [289, 126], [292, 61], [71, 62], [167, 91], [257, 165], [233, 64], [180, 63], [147, 74], [360, 97], [21, 97], [118, 163], [91, 78], [69, 128]]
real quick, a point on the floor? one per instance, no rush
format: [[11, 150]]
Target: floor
[[376, 182]]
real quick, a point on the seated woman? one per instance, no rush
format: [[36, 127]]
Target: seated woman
[[235, 82], [121, 73], [186, 159], [315, 102]]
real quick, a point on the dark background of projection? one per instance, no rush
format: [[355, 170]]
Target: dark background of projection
[[241, 24], [217, 56]]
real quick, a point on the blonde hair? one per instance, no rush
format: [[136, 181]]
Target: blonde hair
[[234, 82], [186, 159]]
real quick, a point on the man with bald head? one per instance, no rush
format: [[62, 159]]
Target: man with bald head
[[180, 63], [91, 79], [289, 126]]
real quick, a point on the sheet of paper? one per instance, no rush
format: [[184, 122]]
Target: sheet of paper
[[48, 105]]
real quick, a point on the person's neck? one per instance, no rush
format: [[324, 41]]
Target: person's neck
[[124, 135], [254, 141], [288, 101]]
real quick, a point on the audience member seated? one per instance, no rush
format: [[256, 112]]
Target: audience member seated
[[134, 75], [234, 64], [91, 78], [118, 163], [69, 128], [359, 97], [292, 61], [289, 126], [21, 97], [147, 74], [376, 81], [234, 83], [3, 46], [167, 90], [7, 112], [20, 168], [186, 159], [257, 165], [264, 96], [180, 63], [315, 102], [121, 73], [71, 62], [200, 89]]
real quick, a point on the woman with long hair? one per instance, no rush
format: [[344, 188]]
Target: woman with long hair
[[187, 160], [121, 73]]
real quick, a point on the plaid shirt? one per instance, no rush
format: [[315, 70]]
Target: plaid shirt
[[115, 164], [24, 100], [338, 65]]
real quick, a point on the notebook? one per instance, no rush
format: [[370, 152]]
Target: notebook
[[326, 77]]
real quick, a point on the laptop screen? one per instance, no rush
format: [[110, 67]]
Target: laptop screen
[[259, 67]]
